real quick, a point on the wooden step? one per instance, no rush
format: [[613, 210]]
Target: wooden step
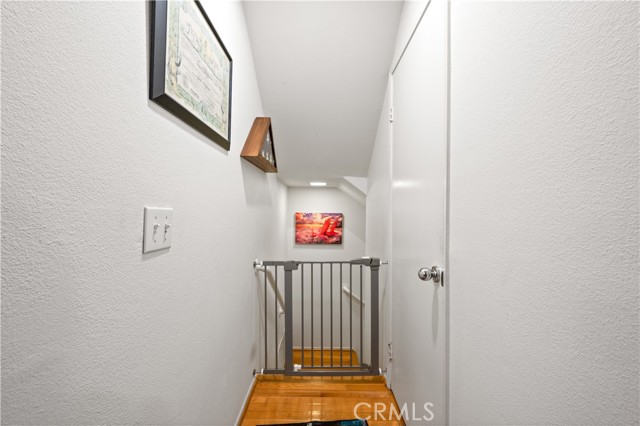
[[326, 356]]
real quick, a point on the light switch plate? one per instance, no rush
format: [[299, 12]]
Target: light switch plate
[[158, 229]]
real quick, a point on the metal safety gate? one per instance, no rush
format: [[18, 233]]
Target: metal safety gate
[[327, 322]]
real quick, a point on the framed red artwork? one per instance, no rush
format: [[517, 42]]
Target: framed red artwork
[[319, 228]]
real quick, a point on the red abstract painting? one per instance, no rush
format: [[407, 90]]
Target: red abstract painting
[[318, 228]]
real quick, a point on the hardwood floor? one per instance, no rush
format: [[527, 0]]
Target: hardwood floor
[[284, 399]]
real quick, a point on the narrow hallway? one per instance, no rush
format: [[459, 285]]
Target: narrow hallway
[[454, 213]]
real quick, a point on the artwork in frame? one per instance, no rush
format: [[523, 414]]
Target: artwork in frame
[[190, 68], [319, 228]]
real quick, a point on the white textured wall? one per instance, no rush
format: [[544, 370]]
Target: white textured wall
[[93, 332], [544, 260]]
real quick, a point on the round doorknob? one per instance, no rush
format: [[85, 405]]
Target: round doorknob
[[424, 274], [435, 274]]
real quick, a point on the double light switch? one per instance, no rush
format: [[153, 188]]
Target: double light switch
[[158, 224]]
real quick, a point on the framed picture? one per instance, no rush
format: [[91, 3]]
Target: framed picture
[[190, 68], [259, 149], [318, 228]]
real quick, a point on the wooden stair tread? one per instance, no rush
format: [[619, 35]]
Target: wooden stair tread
[[288, 399]]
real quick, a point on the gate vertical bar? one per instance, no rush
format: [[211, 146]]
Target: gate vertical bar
[[351, 315], [321, 314], [275, 314], [289, 267], [340, 292], [266, 321], [331, 308], [361, 315], [375, 315], [302, 315], [312, 294]]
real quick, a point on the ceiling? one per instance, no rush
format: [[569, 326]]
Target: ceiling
[[322, 69]]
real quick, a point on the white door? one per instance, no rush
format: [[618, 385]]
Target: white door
[[419, 332]]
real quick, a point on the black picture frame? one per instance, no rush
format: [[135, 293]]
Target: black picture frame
[[159, 70]]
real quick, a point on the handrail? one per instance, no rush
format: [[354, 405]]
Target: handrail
[[353, 297], [258, 266]]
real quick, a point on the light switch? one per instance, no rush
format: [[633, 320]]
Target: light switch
[[158, 229]]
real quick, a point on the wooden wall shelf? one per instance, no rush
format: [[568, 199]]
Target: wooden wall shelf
[[259, 149]]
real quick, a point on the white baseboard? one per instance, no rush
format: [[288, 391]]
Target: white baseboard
[[245, 403]]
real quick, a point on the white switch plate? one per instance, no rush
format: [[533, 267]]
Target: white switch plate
[[158, 229]]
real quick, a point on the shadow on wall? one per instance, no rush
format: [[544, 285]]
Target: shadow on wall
[[256, 185], [435, 313]]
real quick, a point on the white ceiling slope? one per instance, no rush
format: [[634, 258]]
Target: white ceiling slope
[[322, 69]]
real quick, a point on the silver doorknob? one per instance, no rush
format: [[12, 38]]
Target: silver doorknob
[[435, 274]]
